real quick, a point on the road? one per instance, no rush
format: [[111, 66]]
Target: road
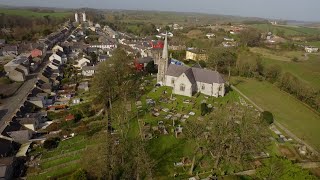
[[279, 125]]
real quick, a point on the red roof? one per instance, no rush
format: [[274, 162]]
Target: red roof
[[69, 117]]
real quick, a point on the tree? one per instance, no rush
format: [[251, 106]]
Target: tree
[[151, 68], [250, 37], [267, 116], [51, 143], [279, 168], [234, 137], [80, 174], [204, 109], [272, 73]]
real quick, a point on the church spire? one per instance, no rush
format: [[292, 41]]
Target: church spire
[[165, 53]]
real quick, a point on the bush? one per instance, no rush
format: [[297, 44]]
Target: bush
[[51, 143], [204, 109], [80, 174], [295, 59], [267, 116]]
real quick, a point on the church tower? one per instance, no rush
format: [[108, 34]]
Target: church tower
[[163, 63]]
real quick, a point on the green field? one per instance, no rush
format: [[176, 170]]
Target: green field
[[312, 43], [287, 110], [279, 55], [30, 13], [287, 30], [307, 71]]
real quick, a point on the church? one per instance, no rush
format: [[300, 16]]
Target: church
[[186, 80]]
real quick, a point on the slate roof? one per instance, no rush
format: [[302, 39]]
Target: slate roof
[[7, 147], [145, 60], [87, 68], [195, 74], [26, 120]]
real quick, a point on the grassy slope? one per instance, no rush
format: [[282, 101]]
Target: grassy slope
[[308, 71], [278, 55], [287, 110], [288, 30], [29, 13]]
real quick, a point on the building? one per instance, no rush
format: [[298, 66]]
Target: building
[[82, 63], [157, 44], [309, 49], [10, 51], [17, 69], [196, 55], [36, 53], [89, 70], [141, 63], [76, 17], [210, 35], [7, 167], [84, 17], [59, 56], [188, 80]]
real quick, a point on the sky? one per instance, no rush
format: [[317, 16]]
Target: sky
[[302, 10]]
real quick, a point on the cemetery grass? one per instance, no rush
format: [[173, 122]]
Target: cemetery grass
[[307, 71], [287, 110]]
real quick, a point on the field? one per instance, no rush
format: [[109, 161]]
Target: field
[[307, 71], [30, 13], [287, 110], [279, 55], [287, 30], [312, 43]]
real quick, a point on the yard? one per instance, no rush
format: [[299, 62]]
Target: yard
[[61, 161], [289, 111]]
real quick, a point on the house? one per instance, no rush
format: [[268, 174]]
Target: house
[[157, 44], [102, 58], [83, 86], [188, 80], [196, 55], [141, 63], [59, 56], [210, 35], [21, 136], [2, 42], [57, 48], [76, 101], [69, 117], [82, 62], [310, 49], [228, 39], [31, 123], [36, 53], [10, 50], [18, 74], [177, 47], [8, 147], [7, 167], [89, 70]]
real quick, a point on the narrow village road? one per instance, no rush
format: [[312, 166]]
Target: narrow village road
[[279, 125]]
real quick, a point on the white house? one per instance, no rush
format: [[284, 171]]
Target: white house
[[59, 56], [188, 80], [309, 49], [104, 46], [57, 48], [210, 35], [81, 63], [88, 70]]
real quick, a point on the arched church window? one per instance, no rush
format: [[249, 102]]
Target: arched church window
[[172, 81]]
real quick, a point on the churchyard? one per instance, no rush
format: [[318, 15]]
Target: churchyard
[[160, 121]]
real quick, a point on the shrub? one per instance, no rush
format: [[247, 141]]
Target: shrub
[[51, 143], [80, 174], [204, 109], [267, 116]]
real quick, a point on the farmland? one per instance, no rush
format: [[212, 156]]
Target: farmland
[[307, 71], [287, 30], [30, 13], [289, 111]]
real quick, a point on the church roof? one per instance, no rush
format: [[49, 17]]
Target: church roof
[[195, 74]]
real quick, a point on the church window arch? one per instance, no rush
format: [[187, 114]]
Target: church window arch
[[182, 87]]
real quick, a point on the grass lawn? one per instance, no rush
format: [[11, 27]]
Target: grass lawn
[[308, 71], [289, 111], [278, 55], [57, 172], [30, 13]]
